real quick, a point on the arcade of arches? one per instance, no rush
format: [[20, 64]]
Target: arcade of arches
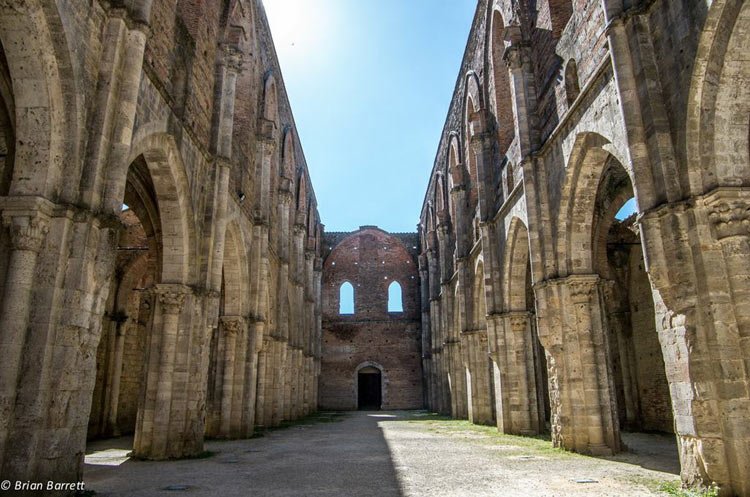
[[164, 272]]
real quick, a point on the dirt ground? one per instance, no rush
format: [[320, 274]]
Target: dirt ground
[[405, 454]]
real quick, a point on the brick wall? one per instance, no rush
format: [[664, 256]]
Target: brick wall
[[371, 259]]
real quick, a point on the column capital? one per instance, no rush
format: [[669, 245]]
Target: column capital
[[513, 57], [266, 133], [582, 287], [259, 218], [233, 58], [171, 297], [516, 319], [729, 212], [27, 230], [232, 325]]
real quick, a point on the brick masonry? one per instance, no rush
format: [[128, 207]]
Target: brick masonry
[[371, 260]]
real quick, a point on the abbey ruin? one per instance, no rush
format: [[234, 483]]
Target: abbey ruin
[[164, 273]]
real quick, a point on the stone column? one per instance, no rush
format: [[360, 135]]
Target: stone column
[[153, 436], [264, 394], [476, 365], [593, 360], [424, 305], [252, 377], [27, 233], [282, 315], [572, 329], [318, 328], [521, 392], [121, 326], [513, 365], [232, 331], [261, 403]]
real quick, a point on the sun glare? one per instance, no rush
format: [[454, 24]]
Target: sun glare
[[297, 26]]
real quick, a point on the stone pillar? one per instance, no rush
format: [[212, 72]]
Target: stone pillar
[[155, 438], [261, 311], [282, 299], [572, 329], [520, 384], [252, 376], [424, 305], [476, 365], [261, 417], [121, 326], [702, 317], [516, 405], [232, 332], [28, 229]]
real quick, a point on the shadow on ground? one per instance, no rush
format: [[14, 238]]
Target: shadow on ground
[[328, 454]]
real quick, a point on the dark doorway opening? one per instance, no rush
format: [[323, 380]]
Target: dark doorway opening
[[370, 394]]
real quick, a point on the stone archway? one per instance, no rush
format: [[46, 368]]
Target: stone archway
[[155, 191]]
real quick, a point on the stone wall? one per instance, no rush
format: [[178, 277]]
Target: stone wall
[[371, 260], [562, 111], [207, 323]]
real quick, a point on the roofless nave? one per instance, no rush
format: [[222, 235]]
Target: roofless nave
[[197, 311]]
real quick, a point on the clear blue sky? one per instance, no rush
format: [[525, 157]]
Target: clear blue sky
[[370, 83]]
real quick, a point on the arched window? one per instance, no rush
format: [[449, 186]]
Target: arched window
[[395, 299], [346, 298], [572, 86]]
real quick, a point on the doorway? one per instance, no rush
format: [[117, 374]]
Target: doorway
[[369, 383]]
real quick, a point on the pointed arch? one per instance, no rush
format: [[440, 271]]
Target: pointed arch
[[501, 91], [455, 161], [301, 192], [287, 154], [39, 112], [172, 195], [270, 99], [516, 267], [479, 296], [576, 223], [440, 196], [236, 275]]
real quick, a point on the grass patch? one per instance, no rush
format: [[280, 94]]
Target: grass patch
[[539, 444], [675, 490]]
